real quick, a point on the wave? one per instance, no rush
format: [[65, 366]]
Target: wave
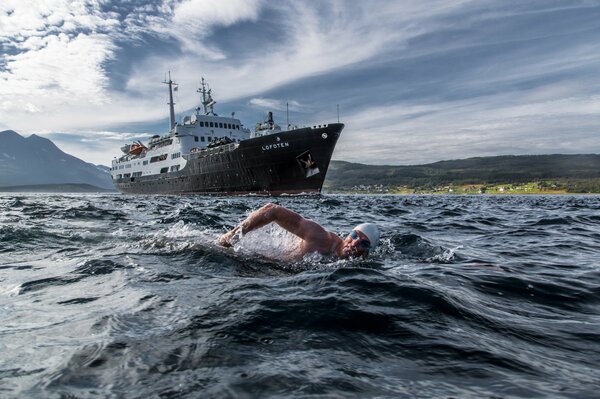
[[414, 246], [111, 292]]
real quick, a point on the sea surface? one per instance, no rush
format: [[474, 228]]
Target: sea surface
[[116, 296]]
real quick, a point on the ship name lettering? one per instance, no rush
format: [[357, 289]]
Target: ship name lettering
[[276, 145]]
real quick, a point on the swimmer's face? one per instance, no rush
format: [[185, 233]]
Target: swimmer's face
[[356, 244]]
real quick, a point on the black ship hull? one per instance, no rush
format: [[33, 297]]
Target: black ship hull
[[290, 162]]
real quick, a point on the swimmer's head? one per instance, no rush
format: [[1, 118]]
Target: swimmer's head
[[361, 240], [371, 231]]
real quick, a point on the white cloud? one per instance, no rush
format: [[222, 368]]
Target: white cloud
[[317, 41], [414, 134], [57, 51], [55, 73], [64, 72], [270, 104], [66, 68], [97, 147], [194, 19]]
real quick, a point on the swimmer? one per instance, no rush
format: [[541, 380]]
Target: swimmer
[[314, 238]]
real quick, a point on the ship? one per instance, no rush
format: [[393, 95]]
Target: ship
[[212, 154]]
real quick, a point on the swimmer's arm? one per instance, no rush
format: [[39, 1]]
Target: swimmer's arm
[[287, 219]]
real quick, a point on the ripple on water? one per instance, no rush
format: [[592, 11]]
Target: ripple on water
[[470, 296]]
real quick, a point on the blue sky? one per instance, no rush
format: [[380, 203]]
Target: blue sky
[[416, 81]]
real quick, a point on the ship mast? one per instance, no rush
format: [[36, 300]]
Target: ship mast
[[171, 103], [207, 101]]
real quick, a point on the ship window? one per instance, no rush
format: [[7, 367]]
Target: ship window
[[158, 158], [211, 124], [119, 176], [221, 125], [145, 162], [175, 155], [237, 127], [174, 168], [127, 175], [201, 124], [202, 138], [195, 138], [164, 170], [136, 174]]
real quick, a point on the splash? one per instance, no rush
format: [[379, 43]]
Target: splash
[[181, 230], [178, 237], [445, 257], [270, 241]]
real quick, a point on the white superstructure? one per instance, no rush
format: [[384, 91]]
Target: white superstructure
[[168, 153]]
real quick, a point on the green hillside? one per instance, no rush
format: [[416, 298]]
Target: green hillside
[[569, 173]]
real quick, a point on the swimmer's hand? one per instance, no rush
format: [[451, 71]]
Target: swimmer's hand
[[226, 239], [224, 242]]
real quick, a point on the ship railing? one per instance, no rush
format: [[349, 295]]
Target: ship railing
[[291, 127], [130, 157], [205, 152]]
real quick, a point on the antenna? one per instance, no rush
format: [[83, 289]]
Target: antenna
[[202, 90], [207, 100], [287, 112], [338, 110]]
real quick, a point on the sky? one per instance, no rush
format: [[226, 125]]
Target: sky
[[416, 81]]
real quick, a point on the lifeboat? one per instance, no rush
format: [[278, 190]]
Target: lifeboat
[[137, 148]]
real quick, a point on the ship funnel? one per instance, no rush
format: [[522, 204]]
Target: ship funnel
[[270, 120]]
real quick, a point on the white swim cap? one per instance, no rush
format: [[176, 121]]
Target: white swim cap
[[371, 231]]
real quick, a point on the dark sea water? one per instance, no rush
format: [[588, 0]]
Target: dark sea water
[[129, 297]]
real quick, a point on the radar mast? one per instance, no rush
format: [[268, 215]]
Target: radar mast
[[207, 100]]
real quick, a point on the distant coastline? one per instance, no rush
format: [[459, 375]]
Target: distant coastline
[[530, 188], [30, 164], [533, 188], [507, 174], [55, 188]]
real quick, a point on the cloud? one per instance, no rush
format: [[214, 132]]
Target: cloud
[[270, 104], [428, 79], [97, 147], [320, 39], [62, 72], [414, 134], [195, 19], [55, 58]]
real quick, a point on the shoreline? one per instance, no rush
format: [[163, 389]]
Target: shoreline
[[530, 188]]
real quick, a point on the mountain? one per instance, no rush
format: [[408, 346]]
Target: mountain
[[54, 188], [480, 170], [35, 160]]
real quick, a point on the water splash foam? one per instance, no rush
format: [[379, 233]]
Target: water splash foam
[[270, 241]]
